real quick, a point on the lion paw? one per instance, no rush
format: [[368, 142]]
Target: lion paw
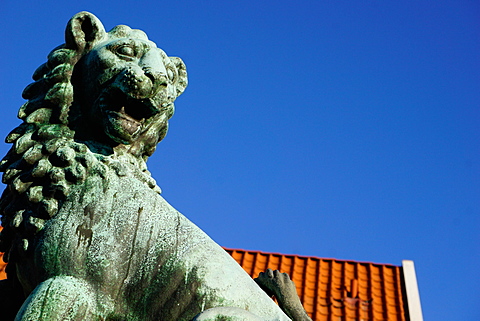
[[277, 284]]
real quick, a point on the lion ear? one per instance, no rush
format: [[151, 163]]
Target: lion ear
[[83, 31], [182, 81]]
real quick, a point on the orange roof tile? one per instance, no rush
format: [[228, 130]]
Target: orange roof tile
[[335, 289], [3, 265]]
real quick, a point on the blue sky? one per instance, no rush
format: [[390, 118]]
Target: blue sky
[[340, 129]]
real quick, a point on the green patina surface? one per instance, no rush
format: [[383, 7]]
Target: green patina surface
[[86, 233]]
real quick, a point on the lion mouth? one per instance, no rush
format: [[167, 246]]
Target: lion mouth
[[126, 115], [130, 124]]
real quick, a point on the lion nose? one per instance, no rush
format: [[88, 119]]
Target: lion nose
[[154, 69], [158, 78]]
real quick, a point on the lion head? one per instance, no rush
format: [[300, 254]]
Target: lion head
[[126, 85], [100, 96], [117, 82]]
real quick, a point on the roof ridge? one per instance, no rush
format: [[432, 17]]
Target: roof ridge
[[310, 257]]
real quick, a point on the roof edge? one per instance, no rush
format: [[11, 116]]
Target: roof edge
[[309, 256]]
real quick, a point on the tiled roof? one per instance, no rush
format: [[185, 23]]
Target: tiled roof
[[336, 290]]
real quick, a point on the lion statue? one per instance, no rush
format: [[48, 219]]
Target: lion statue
[[87, 235]]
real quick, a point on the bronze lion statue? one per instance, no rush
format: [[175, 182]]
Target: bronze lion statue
[[87, 235]]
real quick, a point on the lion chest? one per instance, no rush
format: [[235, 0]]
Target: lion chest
[[128, 242], [108, 231]]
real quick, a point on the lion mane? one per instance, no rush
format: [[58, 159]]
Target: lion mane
[[53, 149]]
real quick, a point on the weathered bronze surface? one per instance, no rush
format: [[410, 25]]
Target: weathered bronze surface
[[87, 235]]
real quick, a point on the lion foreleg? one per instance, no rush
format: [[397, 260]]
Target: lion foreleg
[[60, 298]]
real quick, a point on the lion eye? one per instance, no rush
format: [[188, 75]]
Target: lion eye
[[171, 74], [126, 51]]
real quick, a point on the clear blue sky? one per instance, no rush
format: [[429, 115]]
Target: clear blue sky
[[344, 129]]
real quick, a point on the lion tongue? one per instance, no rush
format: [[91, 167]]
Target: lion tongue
[[124, 114], [130, 124]]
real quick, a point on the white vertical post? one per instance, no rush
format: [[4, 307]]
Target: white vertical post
[[411, 287]]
